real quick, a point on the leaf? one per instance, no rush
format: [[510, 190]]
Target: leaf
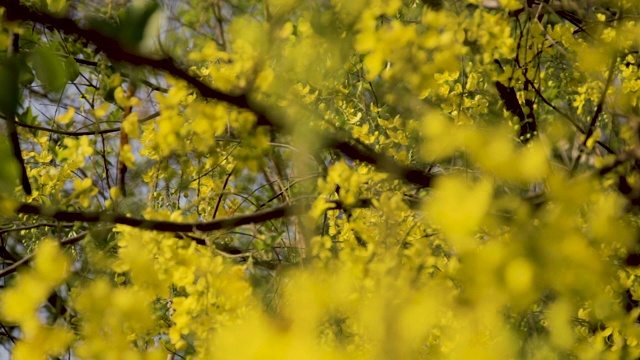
[[133, 23], [104, 26], [9, 169], [72, 69], [9, 89], [25, 76], [57, 6], [27, 117], [49, 69]]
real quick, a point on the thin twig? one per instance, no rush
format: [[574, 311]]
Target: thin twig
[[596, 114], [25, 260], [84, 133], [33, 226], [224, 186]]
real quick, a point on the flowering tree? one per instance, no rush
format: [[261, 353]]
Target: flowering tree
[[320, 179]]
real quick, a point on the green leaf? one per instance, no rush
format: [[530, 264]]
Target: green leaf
[[104, 26], [71, 66], [9, 169], [27, 117], [57, 6], [109, 95], [25, 76], [49, 69], [8, 86], [133, 23], [131, 26]]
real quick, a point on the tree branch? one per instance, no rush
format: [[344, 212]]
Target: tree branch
[[114, 50], [163, 226], [25, 260], [182, 230], [32, 226], [382, 162], [261, 216], [594, 119], [144, 82], [565, 115], [83, 133], [10, 111]]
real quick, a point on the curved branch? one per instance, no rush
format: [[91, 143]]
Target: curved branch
[[25, 260], [163, 226], [144, 82], [182, 230], [32, 226], [114, 50], [594, 119], [298, 208], [382, 162], [84, 133], [565, 115]]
